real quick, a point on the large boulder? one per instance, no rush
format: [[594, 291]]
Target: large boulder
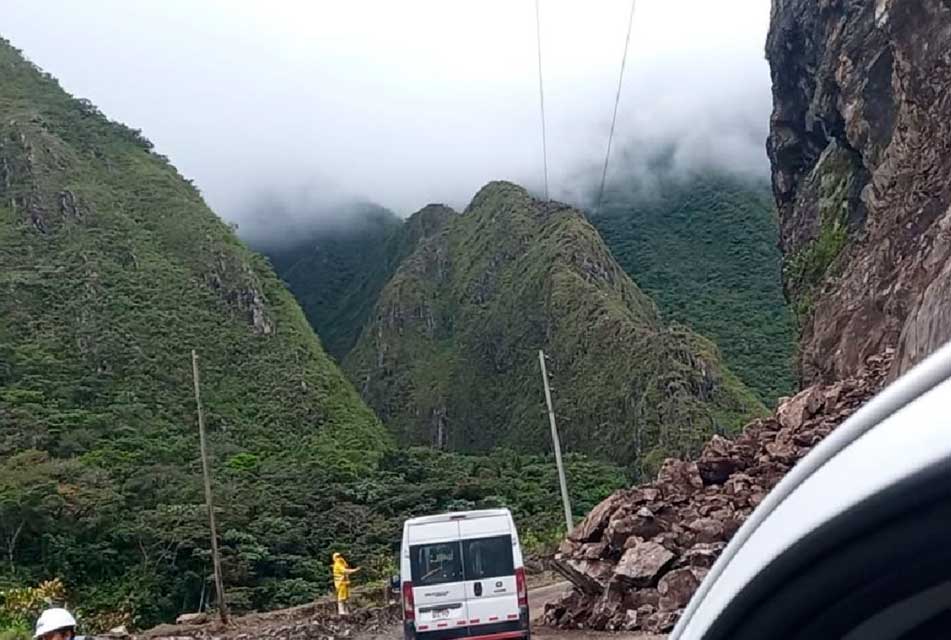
[[678, 479], [595, 522], [642, 564], [676, 588]]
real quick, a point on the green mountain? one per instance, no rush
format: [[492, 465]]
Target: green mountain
[[336, 272], [449, 358], [338, 269], [112, 270], [705, 248]]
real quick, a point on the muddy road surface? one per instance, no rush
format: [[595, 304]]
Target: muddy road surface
[[320, 622], [538, 597]]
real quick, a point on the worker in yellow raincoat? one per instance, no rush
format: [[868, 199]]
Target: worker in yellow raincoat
[[342, 573]]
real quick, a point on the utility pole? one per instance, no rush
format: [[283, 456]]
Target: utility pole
[[557, 446], [219, 583]]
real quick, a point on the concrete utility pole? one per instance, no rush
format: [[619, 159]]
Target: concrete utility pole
[[219, 583], [569, 525]]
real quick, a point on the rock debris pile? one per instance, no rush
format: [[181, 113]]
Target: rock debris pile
[[638, 557]]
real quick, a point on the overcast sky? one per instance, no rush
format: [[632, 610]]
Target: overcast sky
[[412, 101]]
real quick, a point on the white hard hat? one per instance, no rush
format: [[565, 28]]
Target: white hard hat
[[53, 620]]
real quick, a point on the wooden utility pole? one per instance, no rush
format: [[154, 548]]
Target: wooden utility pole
[[219, 583], [569, 525]]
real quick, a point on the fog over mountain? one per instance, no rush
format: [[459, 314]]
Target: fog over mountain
[[313, 104]]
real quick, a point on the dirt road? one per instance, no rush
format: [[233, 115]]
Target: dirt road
[[320, 621], [538, 597]]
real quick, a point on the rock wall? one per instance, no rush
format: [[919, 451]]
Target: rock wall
[[638, 557], [860, 146]]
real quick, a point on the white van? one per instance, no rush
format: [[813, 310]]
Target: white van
[[462, 577]]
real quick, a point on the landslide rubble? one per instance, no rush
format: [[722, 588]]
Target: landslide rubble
[[638, 557]]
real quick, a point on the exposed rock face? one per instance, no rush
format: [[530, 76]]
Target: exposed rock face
[[639, 556], [860, 146]]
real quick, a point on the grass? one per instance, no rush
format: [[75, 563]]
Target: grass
[[807, 268]]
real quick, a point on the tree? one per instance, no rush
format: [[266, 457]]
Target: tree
[[28, 497]]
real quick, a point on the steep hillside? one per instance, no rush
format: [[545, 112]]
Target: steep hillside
[[450, 356], [860, 145], [703, 247], [111, 270], [338, 270]]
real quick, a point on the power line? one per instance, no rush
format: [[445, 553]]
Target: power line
[[541, 94], [617, 99]]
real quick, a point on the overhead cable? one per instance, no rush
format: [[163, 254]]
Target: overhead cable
[[541, 94], [617, 100]]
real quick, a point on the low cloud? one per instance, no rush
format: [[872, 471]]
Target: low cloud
[[283, 111]]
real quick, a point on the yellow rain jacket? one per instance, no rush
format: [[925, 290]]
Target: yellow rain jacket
[[341, 578]]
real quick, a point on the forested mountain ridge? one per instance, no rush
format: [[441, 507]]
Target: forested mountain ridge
[[704, 247], [111, 270], [337, 271], [450, 356]]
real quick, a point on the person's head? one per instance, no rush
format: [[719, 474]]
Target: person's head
[[337, 556], [55, 624]]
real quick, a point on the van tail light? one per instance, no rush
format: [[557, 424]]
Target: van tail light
[[520, 587], [409, 611]]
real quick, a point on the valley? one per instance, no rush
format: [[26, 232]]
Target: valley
[[704, 329]]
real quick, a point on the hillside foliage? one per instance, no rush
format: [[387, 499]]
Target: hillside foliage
[[704, 247], [112, 270], [450, 356], [337, 269]]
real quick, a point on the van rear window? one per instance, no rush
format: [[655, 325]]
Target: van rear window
[[488, 557], [436, 563]]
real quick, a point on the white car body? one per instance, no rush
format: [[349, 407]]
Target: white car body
[[462, 577]]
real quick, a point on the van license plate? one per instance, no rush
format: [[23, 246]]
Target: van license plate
[[440, 614]]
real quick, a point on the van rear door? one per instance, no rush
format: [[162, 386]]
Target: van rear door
[[436, 566], [489, 565]]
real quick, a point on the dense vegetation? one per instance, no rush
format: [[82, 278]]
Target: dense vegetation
[[704, 247], [279, 520], [111, 270], [337, 270], [450, 356]]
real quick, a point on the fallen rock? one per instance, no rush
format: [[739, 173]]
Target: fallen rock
[[676, 588], [703, 554], [658, 540], [589, 576], [595, 522], [630, 620], [641, 564], [678, 478], [707, 529], [660, 622], [792, 413]]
